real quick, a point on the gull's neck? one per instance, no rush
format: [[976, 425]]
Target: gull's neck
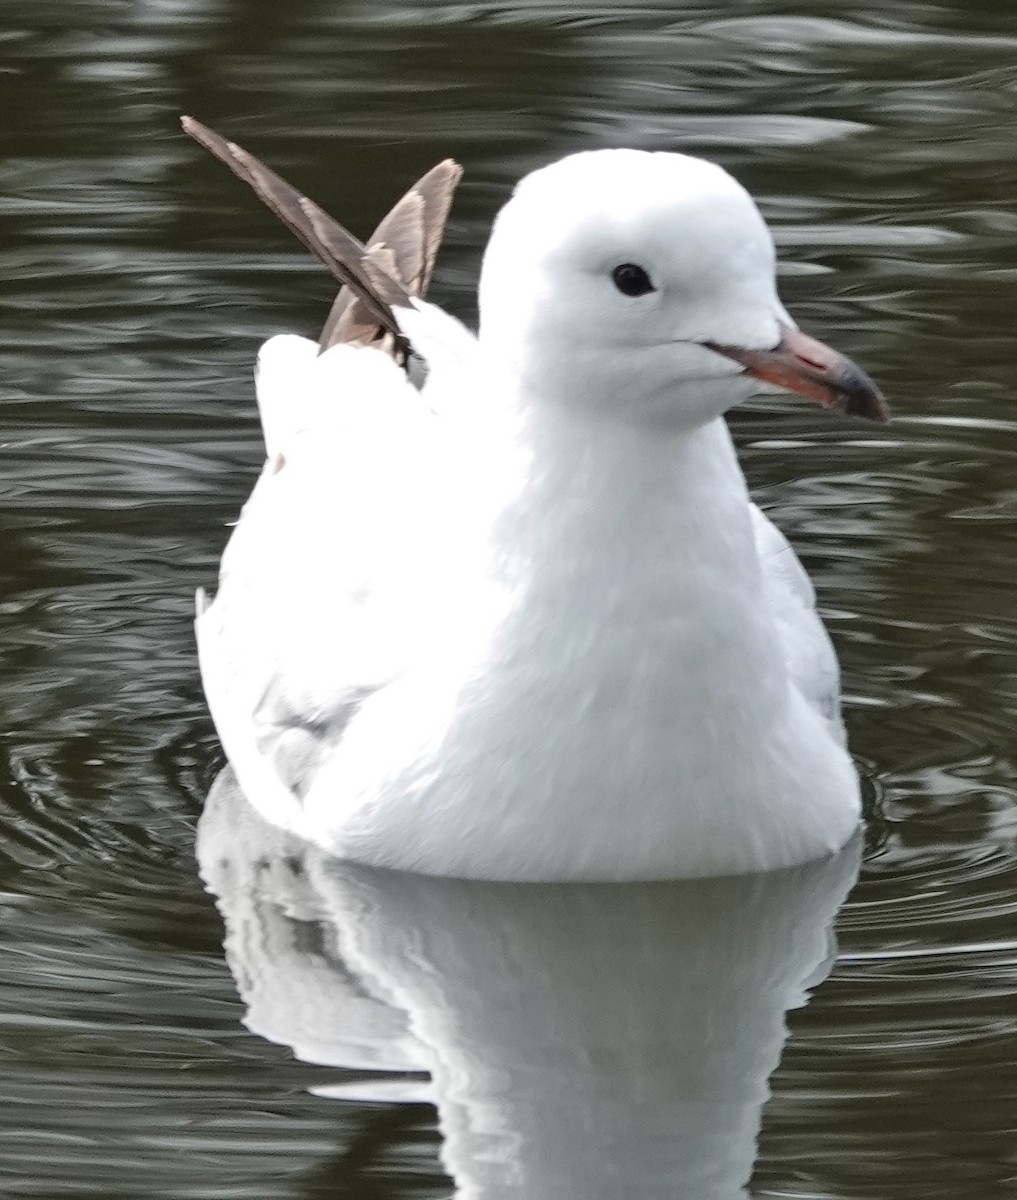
[[641, 532]]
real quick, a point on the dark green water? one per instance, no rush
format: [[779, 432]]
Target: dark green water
[[136, 280]]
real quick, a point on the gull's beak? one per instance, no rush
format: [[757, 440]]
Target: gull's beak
[[801, 364]]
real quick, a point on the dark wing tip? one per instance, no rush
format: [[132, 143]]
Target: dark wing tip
[[327, 240]]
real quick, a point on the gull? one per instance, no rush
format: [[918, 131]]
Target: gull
[[522, 621]]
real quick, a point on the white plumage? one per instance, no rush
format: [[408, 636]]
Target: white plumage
[[527, 624]]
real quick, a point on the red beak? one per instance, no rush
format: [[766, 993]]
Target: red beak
[[802, 364]]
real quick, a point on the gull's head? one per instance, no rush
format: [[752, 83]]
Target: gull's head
[[645, 282]]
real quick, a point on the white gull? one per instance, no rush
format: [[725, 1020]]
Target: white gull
[[526, 623]]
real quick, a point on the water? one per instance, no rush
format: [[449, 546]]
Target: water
[[138, 279]]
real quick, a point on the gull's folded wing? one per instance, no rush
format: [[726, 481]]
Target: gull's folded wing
[[333, 573], [791, 598]]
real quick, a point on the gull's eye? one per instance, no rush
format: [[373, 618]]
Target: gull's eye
[[631, 280]]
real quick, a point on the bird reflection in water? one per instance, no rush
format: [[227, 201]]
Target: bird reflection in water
[[583, 1041]]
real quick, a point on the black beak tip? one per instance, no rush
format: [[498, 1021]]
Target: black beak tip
[[861, 397]]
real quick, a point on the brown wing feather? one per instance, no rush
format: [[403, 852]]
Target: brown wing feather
[[397, 246], [404, 246], [437, 189], [370, 284]]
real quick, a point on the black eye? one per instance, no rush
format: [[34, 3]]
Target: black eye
[[631, 280]]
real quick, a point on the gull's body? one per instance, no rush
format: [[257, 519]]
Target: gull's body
[[528, 624]]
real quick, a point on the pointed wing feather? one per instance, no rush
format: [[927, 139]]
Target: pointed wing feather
[[405, 245], [326, 239], [414, 228], [398, 263]]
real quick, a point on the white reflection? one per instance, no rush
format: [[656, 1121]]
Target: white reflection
[[585, 1042]]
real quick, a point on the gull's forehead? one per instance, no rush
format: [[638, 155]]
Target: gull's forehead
[[631, 194], [629, 180], [631, 170]]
